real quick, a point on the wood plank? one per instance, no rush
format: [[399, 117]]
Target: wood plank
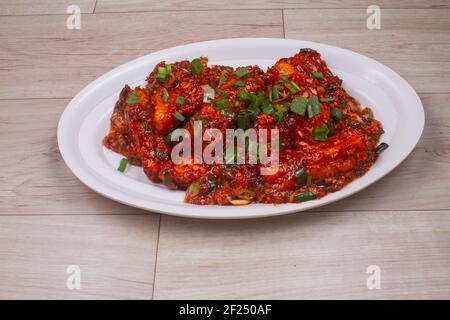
[[27, 7], [415, 43], [308, 255], [144, 5], [70, 59], [36, 179], [116, 256]]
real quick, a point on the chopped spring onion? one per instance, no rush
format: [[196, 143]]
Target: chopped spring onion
[[123, 164], [299, 105], [308, 181], [241, 72], [320, 133], [178, 115], [300, 175], [133, 99], [244, 95], [196, 66], [319, 182], [163, 73], [304, 196], [313, 107], [278, 115], [381, 147], [222, 104], [336, 114], [222, 79], [180, 100], [326, 99], [238, 84], [164, 95], [275, 92], [244, 117], [293, 87], [316, 75], [208, 93]]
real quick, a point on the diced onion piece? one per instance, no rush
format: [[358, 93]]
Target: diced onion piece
[[208, 93]]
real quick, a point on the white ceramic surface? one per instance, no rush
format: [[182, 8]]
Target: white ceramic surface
[[85, 122]]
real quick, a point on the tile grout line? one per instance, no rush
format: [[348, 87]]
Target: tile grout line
[[212, 9], [156, 256], [95, 6]]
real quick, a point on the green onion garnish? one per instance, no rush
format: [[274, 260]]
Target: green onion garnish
[[241, 72], [300, 175], [222, 93], [304, 196], [244, 117], [178, 115], [222, 79], [293, 87], [381, 147], [278, 116], [316, 75], [299, 105], [163, 73], [313, 107], [276, 92], [308, 181], [244, 95], [196, 66], [319, 182], [226, 113], [164, 95], [320, 133], [133, 99], [238, 84], [336, 114], [222, 104], [180, 100], [268, 109], [123, 164], [326, 99]]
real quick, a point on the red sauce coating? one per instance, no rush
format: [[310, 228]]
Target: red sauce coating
[[309, 168]]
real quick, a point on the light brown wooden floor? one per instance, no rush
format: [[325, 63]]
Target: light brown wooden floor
[[49, 220]]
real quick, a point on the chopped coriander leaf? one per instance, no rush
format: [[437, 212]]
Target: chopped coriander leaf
[[133, 98], [304, 196], [180, 100], [164, 95], [326, 99], [336, 114], [320, 133], [316, 75], [163, 73], [299, 105], [238, 84], [313, 107], [178, 115], [222, 104], [196, 66], [123, 164], [241, 72]]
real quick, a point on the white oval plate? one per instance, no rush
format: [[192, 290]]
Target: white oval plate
[[85, 122]]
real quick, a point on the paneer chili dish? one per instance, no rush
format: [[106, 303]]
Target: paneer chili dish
[[326, 139]]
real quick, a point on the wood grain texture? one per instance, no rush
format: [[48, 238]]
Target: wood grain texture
[[29, 7], [141, 5], [116, 255], [415, 43], [70, 59], [307, 255]]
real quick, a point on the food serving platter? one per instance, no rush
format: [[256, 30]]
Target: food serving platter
[[86, 120]]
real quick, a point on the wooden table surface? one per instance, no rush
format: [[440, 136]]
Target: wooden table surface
[[50, 220]]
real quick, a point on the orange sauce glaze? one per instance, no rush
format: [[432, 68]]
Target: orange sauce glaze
[[144, 117]]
